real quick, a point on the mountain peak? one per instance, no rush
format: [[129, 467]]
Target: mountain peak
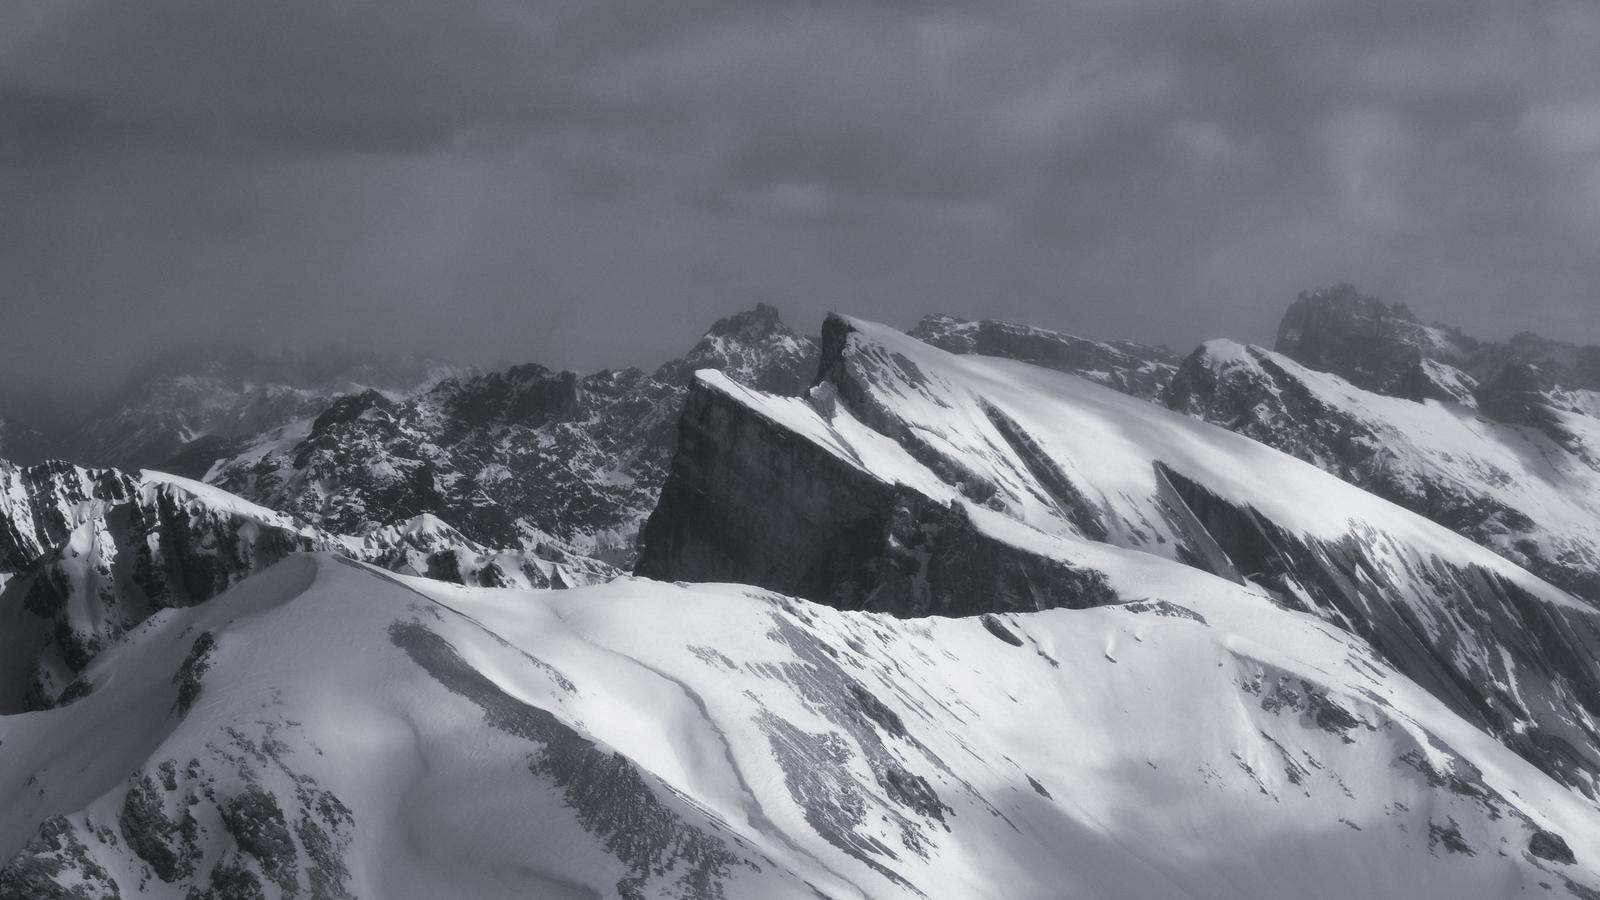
[[754, 347], [1377, 346], [1344, 299], [749, 324]]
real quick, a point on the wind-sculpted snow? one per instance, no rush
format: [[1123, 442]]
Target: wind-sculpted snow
[[1041, 465], [359, 734]]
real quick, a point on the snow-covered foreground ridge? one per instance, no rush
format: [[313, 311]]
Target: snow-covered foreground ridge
[[326, 729]]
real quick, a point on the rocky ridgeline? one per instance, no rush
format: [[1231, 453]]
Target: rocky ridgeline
[[519, 458], [1137, 369]]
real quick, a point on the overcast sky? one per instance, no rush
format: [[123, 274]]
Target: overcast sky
[[588, 182]]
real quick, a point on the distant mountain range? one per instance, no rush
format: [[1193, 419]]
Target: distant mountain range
[[978, 610], [199, 400]]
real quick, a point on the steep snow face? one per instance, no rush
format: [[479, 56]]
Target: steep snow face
[[196, 403], [1131, 368], [1509, 487], [328, 730], [1025, 461], [521, 458], [86, 555]]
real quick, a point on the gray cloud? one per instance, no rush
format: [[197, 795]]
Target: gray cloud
[[589, 183]]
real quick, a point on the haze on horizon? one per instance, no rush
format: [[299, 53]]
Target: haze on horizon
[[590, 184]]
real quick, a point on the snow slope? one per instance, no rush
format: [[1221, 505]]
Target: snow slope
[[330, 729]]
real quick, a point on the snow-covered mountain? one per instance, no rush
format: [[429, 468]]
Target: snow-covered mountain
[[86, 555], [511, 459], [991, 621], [328, 730], [1511, 461], [914, 481], [196, 403]]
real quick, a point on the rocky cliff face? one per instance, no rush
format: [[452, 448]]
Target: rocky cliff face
[[1136, 369], [1049, 466], [520, 458], [749, 501]]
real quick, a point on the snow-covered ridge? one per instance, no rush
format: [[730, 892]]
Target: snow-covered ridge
[[329, 729], [1510, 487]]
